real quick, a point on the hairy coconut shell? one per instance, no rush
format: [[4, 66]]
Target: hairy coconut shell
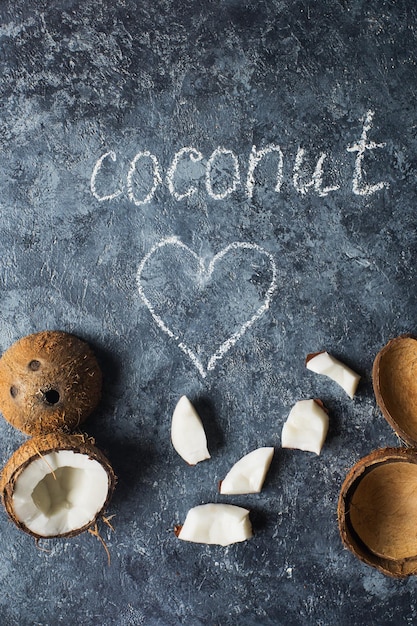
[[49, 381], [394, 377], [377, 511], [38, 447]]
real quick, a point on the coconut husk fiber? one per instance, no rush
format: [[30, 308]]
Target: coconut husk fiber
[[49, 381]]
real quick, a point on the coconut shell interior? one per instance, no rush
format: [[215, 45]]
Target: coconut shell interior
[[378, 511], [395, 386]]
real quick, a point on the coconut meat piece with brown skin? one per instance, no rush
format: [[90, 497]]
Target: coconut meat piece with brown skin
[[60, 493], [248, 474], [219, 524], [326, 364], [187, 433], [306, 426]]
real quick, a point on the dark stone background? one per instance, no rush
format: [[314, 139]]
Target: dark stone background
[[79, 79]]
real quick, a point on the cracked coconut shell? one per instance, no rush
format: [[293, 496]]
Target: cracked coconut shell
[[56, 485], [377, 511], [49, 381], [394, 377]]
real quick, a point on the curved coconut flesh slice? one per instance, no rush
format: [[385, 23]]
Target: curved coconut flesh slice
[[306, 426], [324, 363], [187, 433], [377, 511], [220, 524], [394, 377], [56, 485], [248, 474]]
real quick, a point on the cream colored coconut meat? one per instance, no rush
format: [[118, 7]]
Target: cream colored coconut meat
[[306, 427], [60, 492], [214, 523], [324, 363], [248, 474]]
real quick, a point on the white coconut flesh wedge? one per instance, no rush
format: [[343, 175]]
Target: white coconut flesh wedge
[[187, 433], [248, 474], [306, 426], [219, 524], [56, 485], [324, 363]]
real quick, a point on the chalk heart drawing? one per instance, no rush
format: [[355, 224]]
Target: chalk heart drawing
[[205, 272]]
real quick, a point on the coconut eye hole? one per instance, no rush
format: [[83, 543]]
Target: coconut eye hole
[[14, 391], [57, 378], [51, 396]]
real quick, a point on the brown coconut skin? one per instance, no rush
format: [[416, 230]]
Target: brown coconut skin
[[396, 568], [40, 446], [394, 379], [49, 381]]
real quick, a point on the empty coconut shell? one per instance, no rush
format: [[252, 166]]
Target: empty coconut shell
[[49, 381], [394, 378], [56, 485], [377, 511]]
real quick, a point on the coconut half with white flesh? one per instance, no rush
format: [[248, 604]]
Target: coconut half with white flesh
[[56, 485]]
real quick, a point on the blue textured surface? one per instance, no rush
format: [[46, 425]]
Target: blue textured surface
[[80, 80]]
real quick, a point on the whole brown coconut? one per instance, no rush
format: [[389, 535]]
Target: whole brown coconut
[[394, 377], [56, 485], [377, 511], [49, 381]]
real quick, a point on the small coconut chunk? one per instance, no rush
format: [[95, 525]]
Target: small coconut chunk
[[324, 363], [220, 524], [248, 474], [306, 426], [59, 493], [187, 433]]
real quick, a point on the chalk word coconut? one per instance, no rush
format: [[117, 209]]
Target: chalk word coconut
[[226, 160]]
